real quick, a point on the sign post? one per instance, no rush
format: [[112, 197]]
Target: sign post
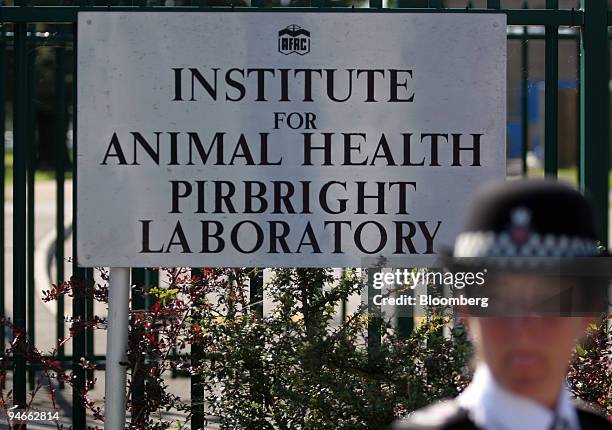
[[116, 347], [289, 139]]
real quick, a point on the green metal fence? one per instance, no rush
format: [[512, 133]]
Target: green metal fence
[[588, 23]]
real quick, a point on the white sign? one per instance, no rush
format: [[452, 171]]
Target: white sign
[[283, 139]]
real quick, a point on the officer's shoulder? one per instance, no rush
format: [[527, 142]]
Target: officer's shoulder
[[590, 417], [442, 415]]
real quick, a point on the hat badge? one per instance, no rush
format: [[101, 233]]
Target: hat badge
[[519, 231]]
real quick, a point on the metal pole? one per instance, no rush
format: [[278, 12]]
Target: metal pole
[[138, 380], [116, 346]]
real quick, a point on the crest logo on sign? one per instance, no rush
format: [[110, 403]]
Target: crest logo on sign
[[293, 39]]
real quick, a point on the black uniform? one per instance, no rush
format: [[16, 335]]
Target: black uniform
[[448, 415]]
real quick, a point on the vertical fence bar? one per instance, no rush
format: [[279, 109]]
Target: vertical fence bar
[[524, 97], [31, 169], [320, 3], [405, 324], [138, 280], [20, 124], [197, 420], [79, 417], [2, 183], [578, 122], [493, 4], [89, 316], [254, 3], [344, 302], [594, 111], [60, 150], [151, 280], [256, 293], [197, 389], [374, 328], [173, 284], [374, 319], [407, 3], [256, 310], [551, 96]]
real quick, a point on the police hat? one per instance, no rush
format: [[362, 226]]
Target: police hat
[[537, 226], [528, 218]]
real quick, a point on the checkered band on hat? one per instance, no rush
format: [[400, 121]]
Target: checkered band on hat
[[493, 244]]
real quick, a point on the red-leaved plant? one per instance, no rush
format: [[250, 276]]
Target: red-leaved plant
[[296, 367]]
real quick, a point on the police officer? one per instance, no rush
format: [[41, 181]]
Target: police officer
[[522, 230]]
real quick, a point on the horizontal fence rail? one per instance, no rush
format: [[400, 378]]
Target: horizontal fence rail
[[68, 14]]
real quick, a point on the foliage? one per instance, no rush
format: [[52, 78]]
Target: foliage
[[300, 366], [590, 373], [294, 369]]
